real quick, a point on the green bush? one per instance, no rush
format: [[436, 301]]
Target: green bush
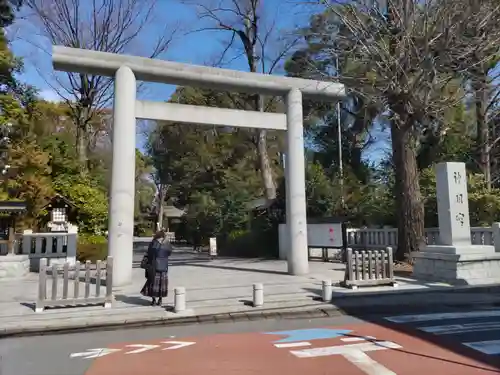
[[250, 244], [91, 247], [238, 233]]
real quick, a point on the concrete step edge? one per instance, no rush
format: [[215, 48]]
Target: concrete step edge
[[194, 317]]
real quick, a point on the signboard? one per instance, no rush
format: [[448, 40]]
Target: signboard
[[324, 235], [213, 247], [319, 236]]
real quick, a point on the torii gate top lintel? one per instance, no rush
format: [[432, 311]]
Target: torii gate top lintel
[[78, 60]]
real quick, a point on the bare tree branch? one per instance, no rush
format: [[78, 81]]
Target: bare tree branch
[[116, 26], [264, 45]]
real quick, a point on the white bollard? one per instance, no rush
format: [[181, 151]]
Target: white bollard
[[258, 295], [179, 299], [327, 291], [213, 247], [496, 234]]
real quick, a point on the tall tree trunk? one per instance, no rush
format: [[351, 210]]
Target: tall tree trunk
[[266, 170], [249, 40], [357, 141], [82, 138], [160, 216], [265, 165], [161, 199], [481, 97], [409, 205], [81, 148]]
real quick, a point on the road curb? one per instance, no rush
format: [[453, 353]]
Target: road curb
[[403, 292], [313, 312]]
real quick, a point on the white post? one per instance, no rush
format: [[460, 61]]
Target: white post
[[327, 291], [213, 247], [452, 204], [179, 299], [121, 205], [258, 295], [496, 236], [296, 217], [282, 241]]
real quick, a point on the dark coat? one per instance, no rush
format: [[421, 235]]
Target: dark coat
[[156, 285], [158, 254]]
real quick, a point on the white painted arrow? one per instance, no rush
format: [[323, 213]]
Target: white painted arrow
[[94, 353], [177, 344], [354, 353], [142, 348]]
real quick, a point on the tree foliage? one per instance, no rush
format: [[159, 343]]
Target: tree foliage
[[404, 61], [419, 73], [210, 171]]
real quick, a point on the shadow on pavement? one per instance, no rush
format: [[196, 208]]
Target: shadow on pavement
[[423, 355], [133, 300], [375, 313], [232, 268]]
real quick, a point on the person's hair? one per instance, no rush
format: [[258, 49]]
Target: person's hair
[[159, 234]]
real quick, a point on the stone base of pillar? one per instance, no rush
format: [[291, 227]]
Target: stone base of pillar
[[460, 249], [35, 262], [473, 268], [14, 266]]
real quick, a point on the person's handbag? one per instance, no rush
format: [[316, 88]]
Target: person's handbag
[[144, 262]]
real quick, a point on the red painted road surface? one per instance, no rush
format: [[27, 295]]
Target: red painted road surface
[[255, 353]]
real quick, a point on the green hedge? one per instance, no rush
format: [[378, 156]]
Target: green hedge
[[250, 244], [91, 247]]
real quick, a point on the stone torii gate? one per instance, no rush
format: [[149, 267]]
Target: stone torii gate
[[127, 69]]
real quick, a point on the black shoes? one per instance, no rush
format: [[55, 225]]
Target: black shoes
[[156, 303]]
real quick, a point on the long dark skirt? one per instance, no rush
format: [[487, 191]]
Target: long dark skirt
[[156, 286]]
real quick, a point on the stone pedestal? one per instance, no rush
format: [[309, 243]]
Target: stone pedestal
[[454, 259], [458, 269], [14, 266]]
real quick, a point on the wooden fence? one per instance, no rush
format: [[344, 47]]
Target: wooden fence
[[71, 274], [369, 268]]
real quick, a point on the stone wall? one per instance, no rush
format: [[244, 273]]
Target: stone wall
[[14, 266], [470, 269]]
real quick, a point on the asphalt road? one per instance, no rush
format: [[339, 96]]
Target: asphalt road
[[460, 343]]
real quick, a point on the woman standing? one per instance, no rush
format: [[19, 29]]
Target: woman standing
[[155, 262]]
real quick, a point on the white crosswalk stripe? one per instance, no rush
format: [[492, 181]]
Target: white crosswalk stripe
[[461, 328], [491, 347], [442, 316], [478, 330]]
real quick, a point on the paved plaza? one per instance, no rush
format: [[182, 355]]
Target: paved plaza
[[216, 287]]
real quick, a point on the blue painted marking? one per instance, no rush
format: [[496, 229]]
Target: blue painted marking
[[309, 334]]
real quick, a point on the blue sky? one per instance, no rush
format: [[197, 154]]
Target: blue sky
[[203, 47]]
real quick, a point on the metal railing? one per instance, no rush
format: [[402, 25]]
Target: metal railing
[[369, 268], [71, 274]]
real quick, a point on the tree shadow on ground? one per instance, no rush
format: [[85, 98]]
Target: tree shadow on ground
[[377, 312], [232, 268], [423, 355]]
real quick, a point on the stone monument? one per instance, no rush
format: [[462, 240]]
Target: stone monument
[[454, 259]]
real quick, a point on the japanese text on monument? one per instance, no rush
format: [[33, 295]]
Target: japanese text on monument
[[459, 198]]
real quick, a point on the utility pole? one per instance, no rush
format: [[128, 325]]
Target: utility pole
[[339, 141]]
